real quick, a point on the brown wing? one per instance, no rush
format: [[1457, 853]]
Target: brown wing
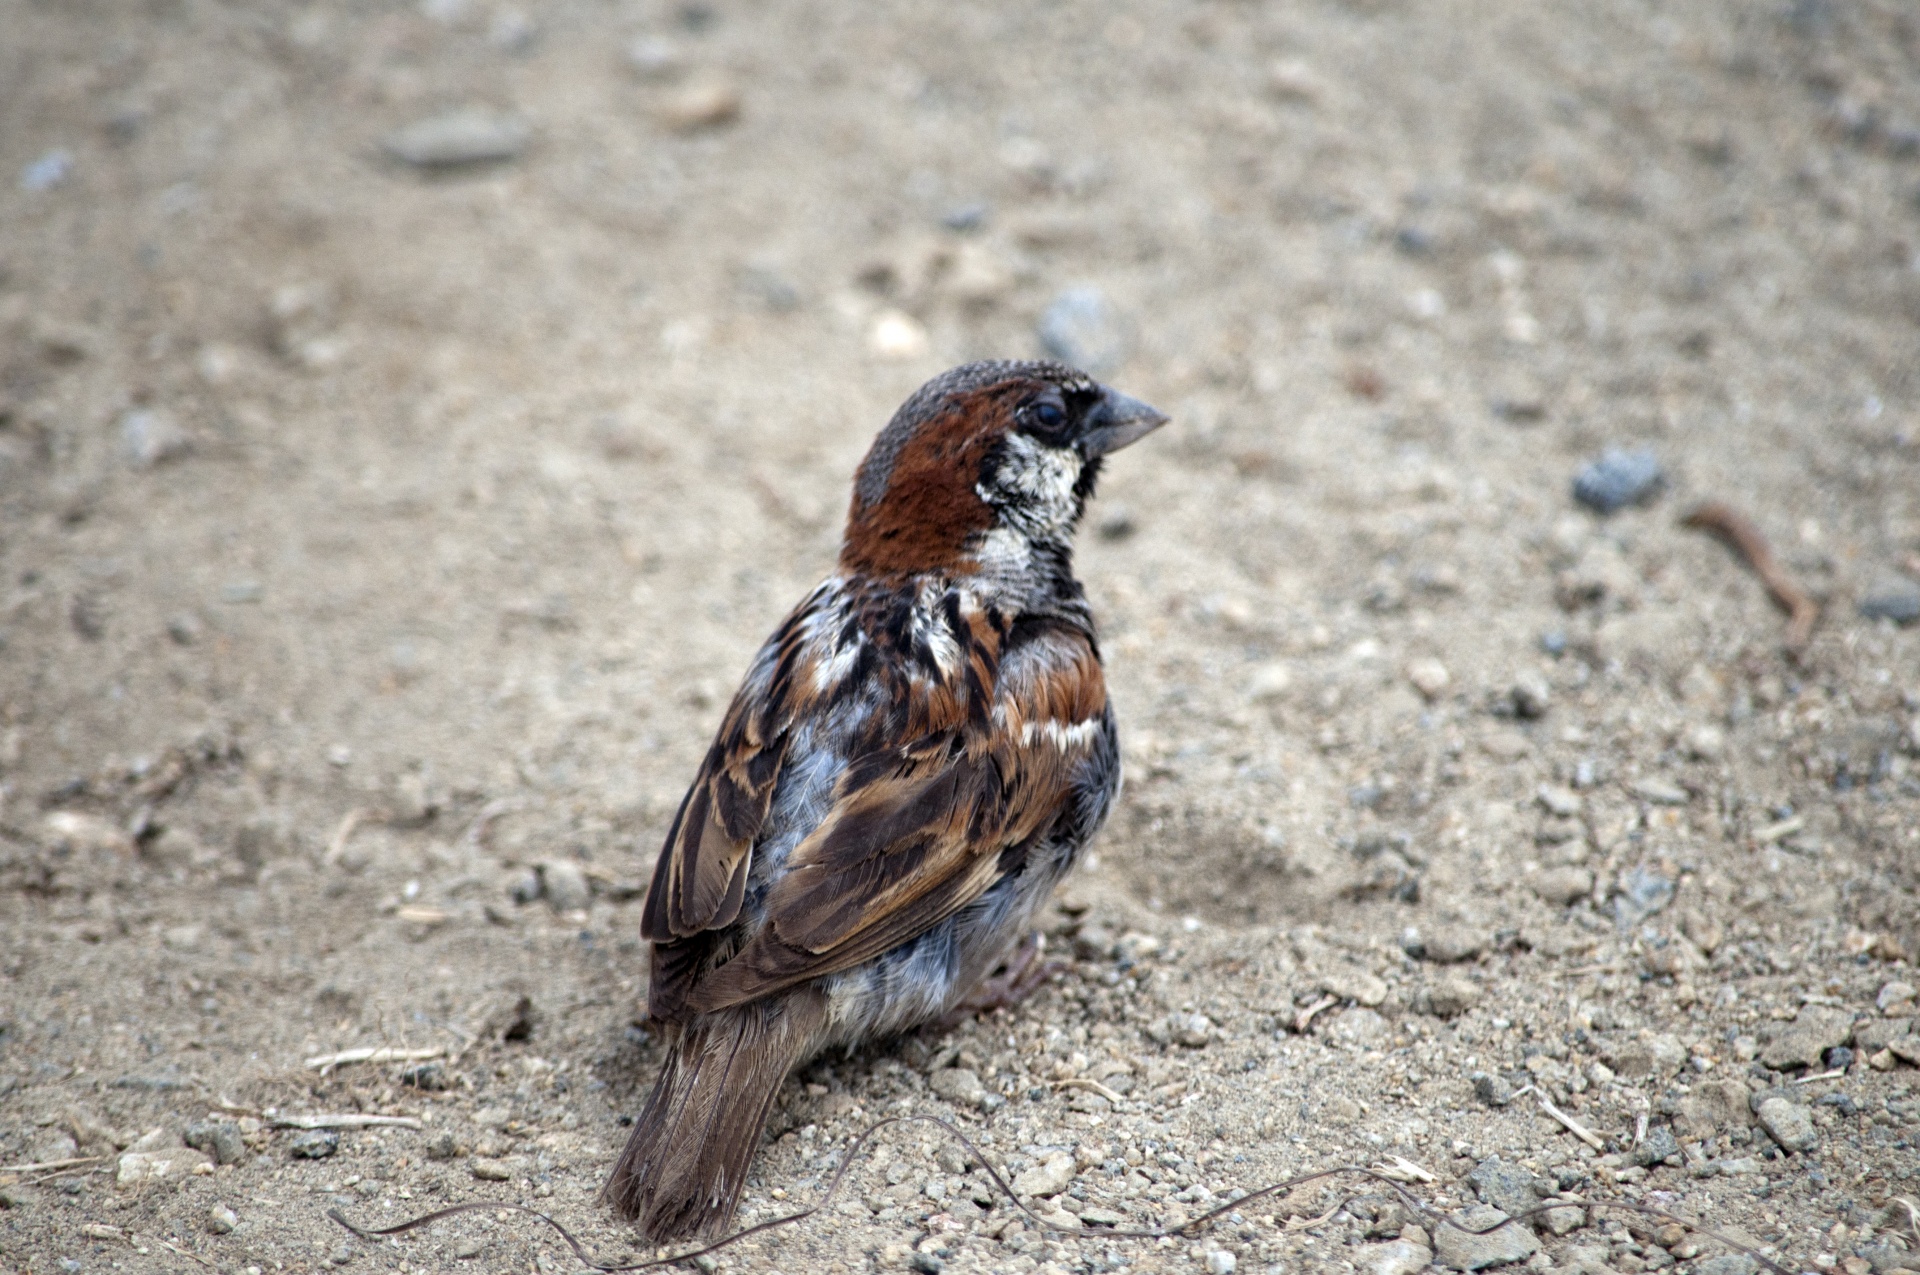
[[700, 878], [917, 832]]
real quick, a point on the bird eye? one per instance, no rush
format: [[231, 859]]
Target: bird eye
[[1048, 416]]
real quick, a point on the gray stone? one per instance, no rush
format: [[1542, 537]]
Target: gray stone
[[1350, 983], [1806, 1040], [1788, 1123], [1656, 1146], [565, 885], [1564, 1221], [1727, 1264], [1660, 792], [1530, 695], [1588, 1259], [1507, 1187], [1643, 892], [459, 139], [1449, 944], [1221, 1262], [1080, 326], [1652, 1054], [1490, 1089], [1048, 1178], [1452, 995], [149, 437], [1561, 886], [958, 1085], [1464, 1251], [1618, 479], [221, 1220], [1715, 1106], [219, 1139], [1400, 1257], [315, 1144], [1891, 597]]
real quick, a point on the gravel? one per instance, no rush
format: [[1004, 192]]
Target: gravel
[[1618, 479]]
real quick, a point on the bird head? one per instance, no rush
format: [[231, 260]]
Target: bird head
[[984, 464]]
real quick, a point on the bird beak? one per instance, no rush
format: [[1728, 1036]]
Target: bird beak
[[1117, 421]]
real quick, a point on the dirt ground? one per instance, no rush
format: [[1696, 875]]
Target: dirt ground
[[379, 541]]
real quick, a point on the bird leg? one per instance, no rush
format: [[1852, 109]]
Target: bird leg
[[1019, 976]]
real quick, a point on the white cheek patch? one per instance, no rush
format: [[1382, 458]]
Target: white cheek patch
[[1044, 476], [1061, 736]]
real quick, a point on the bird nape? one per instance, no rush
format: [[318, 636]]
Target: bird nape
[[915, 759]]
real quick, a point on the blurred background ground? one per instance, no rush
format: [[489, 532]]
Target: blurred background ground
[[412, 417]]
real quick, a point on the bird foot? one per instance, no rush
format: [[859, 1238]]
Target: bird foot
[[1021, 975]]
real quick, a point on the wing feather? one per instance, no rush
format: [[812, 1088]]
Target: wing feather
[[921, 823]]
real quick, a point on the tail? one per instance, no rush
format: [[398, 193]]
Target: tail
[[687, 1158]]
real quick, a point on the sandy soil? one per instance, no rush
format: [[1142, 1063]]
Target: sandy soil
[[378, 544]]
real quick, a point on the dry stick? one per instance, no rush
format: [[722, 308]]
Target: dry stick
[[859, 1144], [1090, 1085], [1572, 1126], [372, 1054], [44, 1165], [353, 1121], [1738, 531], [1307, 1015]]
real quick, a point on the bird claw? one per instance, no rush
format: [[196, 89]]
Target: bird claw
[[1021, 975]]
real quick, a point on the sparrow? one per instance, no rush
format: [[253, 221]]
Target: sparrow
[[916, 758]]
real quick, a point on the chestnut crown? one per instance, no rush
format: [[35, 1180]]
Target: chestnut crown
[[985, 459]]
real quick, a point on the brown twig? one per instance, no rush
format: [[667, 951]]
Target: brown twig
[[854, 1148], [1738, 531]]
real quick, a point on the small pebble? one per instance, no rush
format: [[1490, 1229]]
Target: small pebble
[[1530, 695], [219, 1139], [1788, 1123], [1618, 479], [221, 1220], [1894, 997], [967, 217], [1081, 327], [1561, 886], [655, 58], [564, 884], [1400, 1257], [897, 335], [149, 437], [1468, 1252], [1048, 1178], [1490, 1089], [46, 172], [1429, 677], [1706, 742], [1892, 598], [1221, 1262], [1451, 996], [958, 1085], [705, 105], [491, 1171], [315, 1144], [459, 139]]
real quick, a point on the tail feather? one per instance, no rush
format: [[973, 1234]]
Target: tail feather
[[687, 1158]]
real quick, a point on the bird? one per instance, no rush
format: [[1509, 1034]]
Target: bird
[[913, 762]]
